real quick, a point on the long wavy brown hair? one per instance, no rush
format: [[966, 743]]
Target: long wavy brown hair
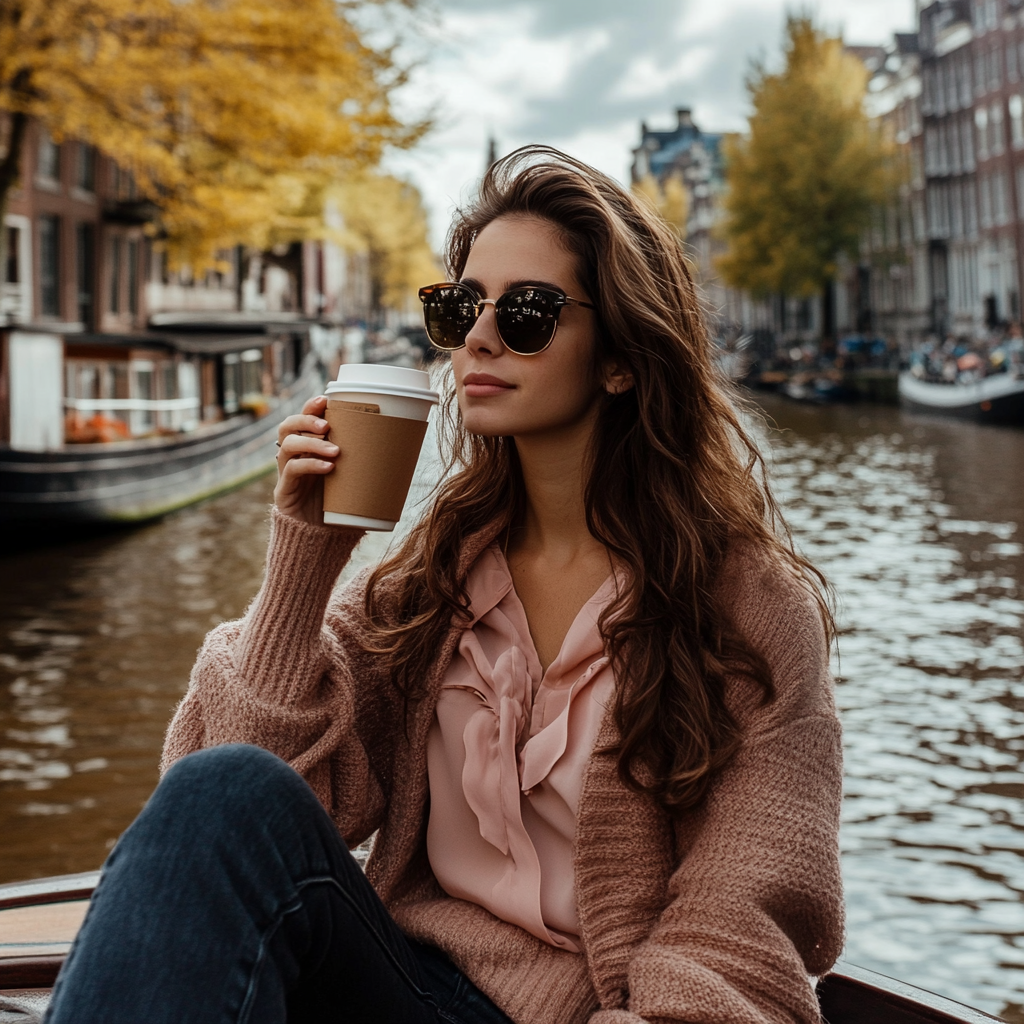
[[674, 481]]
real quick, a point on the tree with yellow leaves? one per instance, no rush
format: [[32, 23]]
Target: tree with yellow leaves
[[670, 198], [234, 115], [803, 184], [384, 217]]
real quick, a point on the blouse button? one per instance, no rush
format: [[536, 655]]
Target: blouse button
[[528, 792]]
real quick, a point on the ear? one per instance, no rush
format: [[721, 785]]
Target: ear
[[617, 378]]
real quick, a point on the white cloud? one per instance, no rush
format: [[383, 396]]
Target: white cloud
[[647, 77], [582, 74]]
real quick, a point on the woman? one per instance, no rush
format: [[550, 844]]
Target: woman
[[585, 706]]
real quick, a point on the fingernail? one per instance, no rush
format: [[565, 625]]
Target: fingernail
[[321, 424], [332, 448], [327, 465]]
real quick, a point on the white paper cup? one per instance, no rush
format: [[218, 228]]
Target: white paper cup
[[378, 419]]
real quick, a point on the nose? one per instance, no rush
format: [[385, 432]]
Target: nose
[[483, 337]]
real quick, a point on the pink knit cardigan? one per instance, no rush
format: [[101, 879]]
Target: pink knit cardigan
[[715, 918]]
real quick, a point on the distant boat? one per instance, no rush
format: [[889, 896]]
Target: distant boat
[[995, 399], [104, 429], [39, 920]]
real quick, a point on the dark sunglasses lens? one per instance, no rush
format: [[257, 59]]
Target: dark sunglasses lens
[[448, 315], [526, 319]]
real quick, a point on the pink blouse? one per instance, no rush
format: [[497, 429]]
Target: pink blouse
[[506, 754]]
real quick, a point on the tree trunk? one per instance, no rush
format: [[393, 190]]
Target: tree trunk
[[10, 168]]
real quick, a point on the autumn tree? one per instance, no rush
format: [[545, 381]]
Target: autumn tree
[[234, 115], [804, 183], [384, 217], [669, 197]]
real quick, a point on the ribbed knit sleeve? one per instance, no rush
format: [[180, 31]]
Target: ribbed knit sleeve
[[278, 679]]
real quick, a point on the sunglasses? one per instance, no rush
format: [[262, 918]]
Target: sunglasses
[[526, 318]]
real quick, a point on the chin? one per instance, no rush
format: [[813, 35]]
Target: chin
[[487, 426]]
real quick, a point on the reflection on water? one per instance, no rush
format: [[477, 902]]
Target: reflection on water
[[919, 525]]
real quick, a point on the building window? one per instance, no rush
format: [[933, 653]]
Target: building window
[[995, 68], [963, 68], [998, 144], [1011, 62], [85, 177], [985, 193], [981, 120], [49, 158], [927, 90], [85, 262], [12, 272], [133, 276], [115, 275], [1020, 192], [957, 226], [971, 209], [993, 13], [1000, 200], [232, 383], [967, 143], [979, 75], [1016, 106], [49, 265]]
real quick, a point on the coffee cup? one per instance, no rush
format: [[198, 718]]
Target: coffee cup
[[378, 418]]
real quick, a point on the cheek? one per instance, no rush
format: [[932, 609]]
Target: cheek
[[569, 381], [458, 358]]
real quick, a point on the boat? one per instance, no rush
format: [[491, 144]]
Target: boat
[[995, 399], [39, 920], [106, 429]]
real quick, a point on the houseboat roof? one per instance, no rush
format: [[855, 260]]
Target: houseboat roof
[[215, 321], [194, 344]]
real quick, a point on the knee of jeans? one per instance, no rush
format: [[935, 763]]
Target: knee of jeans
[[234, 775]]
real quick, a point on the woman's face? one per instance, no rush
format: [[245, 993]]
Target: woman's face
[[501, 393]]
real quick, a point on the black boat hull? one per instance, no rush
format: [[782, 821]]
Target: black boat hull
[[133, 481]]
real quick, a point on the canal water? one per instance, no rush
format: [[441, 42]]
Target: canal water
[[918, 523]]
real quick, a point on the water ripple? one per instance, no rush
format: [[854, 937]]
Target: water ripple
[[930, 687]]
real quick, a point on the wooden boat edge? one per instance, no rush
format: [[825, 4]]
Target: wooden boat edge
[[848, 995]]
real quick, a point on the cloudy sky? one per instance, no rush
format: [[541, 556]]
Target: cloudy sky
[[582, 74]]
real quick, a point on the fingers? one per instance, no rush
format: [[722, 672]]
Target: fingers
[[291, 471], [299, 445], [315, 406], [303, 423]]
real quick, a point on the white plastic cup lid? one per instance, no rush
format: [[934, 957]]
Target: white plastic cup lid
[[372, 378]]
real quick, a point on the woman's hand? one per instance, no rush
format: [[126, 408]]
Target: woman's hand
[[304, 459]]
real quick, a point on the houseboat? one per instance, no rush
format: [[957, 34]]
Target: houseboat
[[128, 427], [995, 399]]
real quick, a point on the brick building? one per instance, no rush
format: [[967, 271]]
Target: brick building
[[79, 258]]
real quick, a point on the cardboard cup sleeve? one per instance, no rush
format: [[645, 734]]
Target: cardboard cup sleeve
[[377, 461]]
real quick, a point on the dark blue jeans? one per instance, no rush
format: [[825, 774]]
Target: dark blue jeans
[[232, 898]]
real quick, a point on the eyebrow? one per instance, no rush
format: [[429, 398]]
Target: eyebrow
[[473, 283]]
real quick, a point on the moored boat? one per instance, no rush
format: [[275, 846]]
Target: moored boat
[[103, 429], [39, 919], [995, 399]]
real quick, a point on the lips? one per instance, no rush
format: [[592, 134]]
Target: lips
[[484, 385]]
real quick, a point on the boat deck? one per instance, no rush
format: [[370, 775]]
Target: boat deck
[[39, 920]]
